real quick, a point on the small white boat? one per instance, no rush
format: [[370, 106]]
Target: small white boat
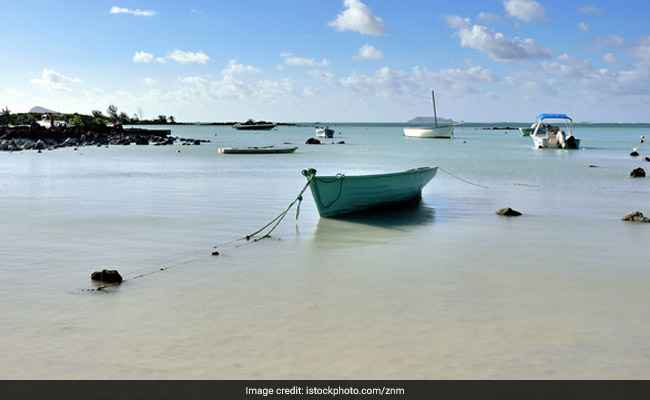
[[441, 132], [434, 132], [527, 131], [324, 132], [48, 121], [252, 125], [257, 150], [550, 136]]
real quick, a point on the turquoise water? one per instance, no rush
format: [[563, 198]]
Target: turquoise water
[[447, 290]]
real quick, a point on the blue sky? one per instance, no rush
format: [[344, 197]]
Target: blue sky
[[329, 60]]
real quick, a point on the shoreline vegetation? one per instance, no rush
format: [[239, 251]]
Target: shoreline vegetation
[[43, 129]]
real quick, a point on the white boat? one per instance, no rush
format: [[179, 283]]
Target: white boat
[[324, 132], [252, 125], [440, 132], [435, 132], [257, 150], [550, 136], [48, 121], [527, 131]]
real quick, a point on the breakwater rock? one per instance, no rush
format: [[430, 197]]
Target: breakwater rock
[[635, 216], [637, 173], [106, 276], [508, 212], [36, 137]]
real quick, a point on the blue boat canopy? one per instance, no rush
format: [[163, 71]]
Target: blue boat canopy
[[543, 116]]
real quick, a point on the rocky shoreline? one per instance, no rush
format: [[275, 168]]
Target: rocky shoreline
[[36, 137]]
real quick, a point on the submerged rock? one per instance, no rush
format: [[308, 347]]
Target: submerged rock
[[312, 141], [635, 216], [107, 276], [637, 173], [634, 153], [509, 212]]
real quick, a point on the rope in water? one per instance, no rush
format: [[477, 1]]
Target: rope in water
[[308, 173], [461, 179]]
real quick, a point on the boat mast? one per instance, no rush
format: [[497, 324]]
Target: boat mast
[[435, 117]]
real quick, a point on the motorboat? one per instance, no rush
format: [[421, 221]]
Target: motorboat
[[253, 125], [324, 132], [257, 150], [547, 135]]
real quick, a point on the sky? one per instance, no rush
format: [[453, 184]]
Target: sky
[[329, 60]]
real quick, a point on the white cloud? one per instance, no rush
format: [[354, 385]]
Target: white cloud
[[290, 59], [358, 17], [456, 22], [495, 45], [488, 18], [584, 27], [399, 86], [186, 57], [142, 57], [592, 10], [180, 56], [15, 93], [53, 81], [641, 52], [235, 68], [525, 10], [138, 12], [367, 52], [610, 41], [149, 81]]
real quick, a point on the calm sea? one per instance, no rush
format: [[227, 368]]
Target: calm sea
[[448, 290]]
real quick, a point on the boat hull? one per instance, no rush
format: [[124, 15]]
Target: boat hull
[[546, 142], [343, 195], [256, 150], [254, 127], [526, 131], [441, 132], [324, 133]]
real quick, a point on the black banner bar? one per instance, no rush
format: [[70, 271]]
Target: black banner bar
[[325, 389]]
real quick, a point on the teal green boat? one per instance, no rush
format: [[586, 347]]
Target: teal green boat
[[341, 195]]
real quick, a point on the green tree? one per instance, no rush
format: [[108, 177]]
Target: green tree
[[5, 116], [123, 118], [98, 117], [171, 119], [162, 119], [112, 113], [75, 119]]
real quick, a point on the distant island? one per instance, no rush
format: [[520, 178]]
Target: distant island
[[429, 120], [41, 110]]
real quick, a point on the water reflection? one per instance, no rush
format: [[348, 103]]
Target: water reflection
[[373, 226]]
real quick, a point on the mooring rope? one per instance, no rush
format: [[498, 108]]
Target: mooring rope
[[461, 179], [308, 173]]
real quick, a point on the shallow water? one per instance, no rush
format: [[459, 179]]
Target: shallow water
[[446, 290]]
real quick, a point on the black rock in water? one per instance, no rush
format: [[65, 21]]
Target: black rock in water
[[107, 276], [635, 216], [312, 141], [637, 173], [509, 212]]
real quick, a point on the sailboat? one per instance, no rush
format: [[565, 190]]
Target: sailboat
[[439, 132]]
